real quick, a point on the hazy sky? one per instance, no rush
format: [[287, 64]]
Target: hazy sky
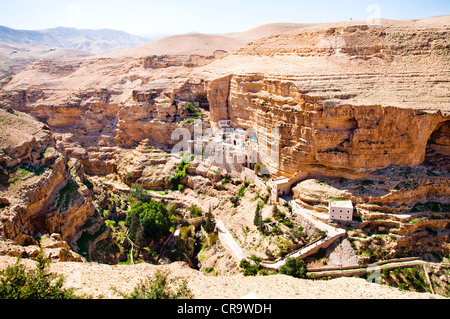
[[206, 16]]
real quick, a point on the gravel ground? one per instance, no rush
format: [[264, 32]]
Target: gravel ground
[[97, 279]]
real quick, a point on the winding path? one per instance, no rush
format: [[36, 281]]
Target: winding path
[[236, 251], [228, 241], [333, 233]]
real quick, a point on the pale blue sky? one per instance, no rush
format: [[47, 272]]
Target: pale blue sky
[[206, 16]]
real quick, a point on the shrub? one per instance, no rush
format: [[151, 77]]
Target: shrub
[[258, 221], [210, 223], [159, 287], [249, 269], [191, 108], [277, 213], [180, 172], [289, 223], [153, 217], [277, 230], [234, 200], [16, 282], [294, 267], [138, 192], [243, 188], [195, 211]]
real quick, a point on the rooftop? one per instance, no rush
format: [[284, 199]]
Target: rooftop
[[281, 181], [341, 203]]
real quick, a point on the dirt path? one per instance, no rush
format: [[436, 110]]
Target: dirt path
[[333, 233], [227, 240]]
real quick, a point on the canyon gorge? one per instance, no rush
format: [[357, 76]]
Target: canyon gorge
[[363, 111]]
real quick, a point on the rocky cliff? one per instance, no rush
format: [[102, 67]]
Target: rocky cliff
[[341, 100], [42, 192], [344, 97], [350, 98]]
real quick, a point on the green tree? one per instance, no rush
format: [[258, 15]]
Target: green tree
[[277, 213], [159, 287], [195, 211], [136, 231], [153, 217], [234, 200], [210, 223], [258, 221], [248, 268], [294, 267], [17, 282]]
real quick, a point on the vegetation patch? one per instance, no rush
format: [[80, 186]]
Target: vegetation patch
[[67, 194], [180, 172], [160, 286], [18, 282]]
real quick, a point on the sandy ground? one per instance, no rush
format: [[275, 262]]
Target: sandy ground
[[97, 279]]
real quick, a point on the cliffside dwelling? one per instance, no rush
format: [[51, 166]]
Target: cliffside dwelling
[[282, 186], [227, 146], [340, 210], [234, 146]]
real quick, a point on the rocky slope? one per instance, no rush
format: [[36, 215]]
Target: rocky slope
[[345, 97], [42, 192], [97, 279], [350, 104]]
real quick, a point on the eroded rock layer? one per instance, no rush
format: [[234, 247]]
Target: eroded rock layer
[[341, 100], [42, 192]]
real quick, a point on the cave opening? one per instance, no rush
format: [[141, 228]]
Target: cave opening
[[437, 154]]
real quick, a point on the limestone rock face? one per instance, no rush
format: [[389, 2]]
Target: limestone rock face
[[42, 192], [344, 98], [312, 133], [146, 166], [409, 205]]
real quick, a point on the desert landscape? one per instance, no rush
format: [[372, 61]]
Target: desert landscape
[[276, 122]]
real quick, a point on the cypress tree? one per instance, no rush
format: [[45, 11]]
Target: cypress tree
[[210, 223], [257, 221]]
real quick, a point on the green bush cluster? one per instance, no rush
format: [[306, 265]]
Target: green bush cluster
[[408, 278], [195, 211], [180, 172], [138, 192], [210, 223], [235, 199], [252, 268], [152, 216], [160, 286], [294, 267], [17, 282], [258, 221]]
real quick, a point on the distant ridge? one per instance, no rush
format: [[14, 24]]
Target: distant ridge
[[94, 41]]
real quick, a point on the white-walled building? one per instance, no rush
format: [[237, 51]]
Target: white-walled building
[[340, 210]]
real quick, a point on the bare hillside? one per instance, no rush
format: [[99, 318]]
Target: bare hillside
[[97, 279]]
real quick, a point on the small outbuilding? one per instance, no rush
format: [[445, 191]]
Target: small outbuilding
[[340, 210]]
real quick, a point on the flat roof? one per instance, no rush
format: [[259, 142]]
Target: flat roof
[[341, 203], [281, 180]]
